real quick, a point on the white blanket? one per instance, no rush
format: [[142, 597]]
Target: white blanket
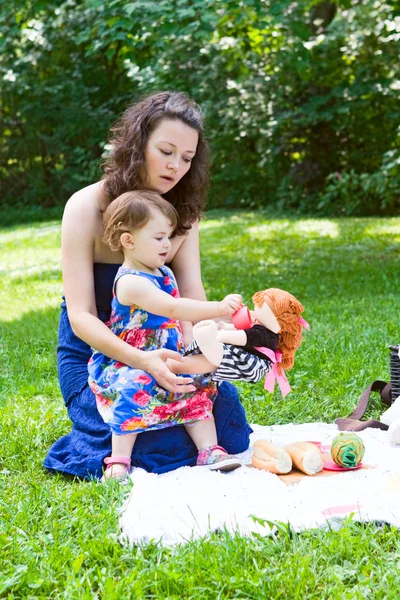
[[192, 501]]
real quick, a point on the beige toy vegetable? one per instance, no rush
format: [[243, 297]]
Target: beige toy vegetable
[[306, 457], [271, 457]]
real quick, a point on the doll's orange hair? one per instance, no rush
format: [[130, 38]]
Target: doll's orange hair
[[287, 310]]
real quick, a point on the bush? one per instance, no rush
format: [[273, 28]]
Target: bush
[[354, 193], [294, 93]]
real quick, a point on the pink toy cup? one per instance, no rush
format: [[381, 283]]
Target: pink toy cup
[[241, 318]]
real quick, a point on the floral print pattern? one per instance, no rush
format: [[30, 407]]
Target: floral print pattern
[[130, 399]]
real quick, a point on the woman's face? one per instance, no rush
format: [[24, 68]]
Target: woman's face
[[168, 154]]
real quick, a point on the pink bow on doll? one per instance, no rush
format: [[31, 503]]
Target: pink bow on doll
[[274, 375], [304, 323], [242, 320]]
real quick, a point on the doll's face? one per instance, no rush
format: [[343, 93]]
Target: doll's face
[[266, 317]]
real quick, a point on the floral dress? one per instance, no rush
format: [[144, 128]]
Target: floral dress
[[129, 399]]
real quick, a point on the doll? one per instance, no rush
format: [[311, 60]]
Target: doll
[[265, 346]]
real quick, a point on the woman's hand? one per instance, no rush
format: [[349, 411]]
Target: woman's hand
[[230, 304], [155, 363]]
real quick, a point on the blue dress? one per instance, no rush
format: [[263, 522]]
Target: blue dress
[[82, 451], [129, 399]]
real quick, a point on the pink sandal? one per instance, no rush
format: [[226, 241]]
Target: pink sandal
[[117, 460], [217, 462]]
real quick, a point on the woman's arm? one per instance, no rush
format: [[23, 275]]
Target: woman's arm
[[81, 222], [186, 266]]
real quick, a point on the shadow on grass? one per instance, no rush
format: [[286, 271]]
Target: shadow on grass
[[12, 217], [35, 274], [310, 258]]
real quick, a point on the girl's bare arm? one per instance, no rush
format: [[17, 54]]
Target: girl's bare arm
[[134, 289]]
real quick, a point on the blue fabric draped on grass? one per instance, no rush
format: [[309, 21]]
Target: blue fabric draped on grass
[[82, 451]]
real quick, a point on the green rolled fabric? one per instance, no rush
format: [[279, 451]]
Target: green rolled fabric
[[347, 450]]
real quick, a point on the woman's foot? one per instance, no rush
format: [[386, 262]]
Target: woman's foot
[[118, 468], [216, 458]]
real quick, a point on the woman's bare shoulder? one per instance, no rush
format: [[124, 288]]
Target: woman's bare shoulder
[[85, 205], [89, 196]]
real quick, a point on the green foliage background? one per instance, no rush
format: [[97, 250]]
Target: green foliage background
[[301, 98]]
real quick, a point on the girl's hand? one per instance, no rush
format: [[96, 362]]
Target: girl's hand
[[230, 304], [155, 363]]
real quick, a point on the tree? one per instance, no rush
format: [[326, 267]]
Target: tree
[[301, 99]]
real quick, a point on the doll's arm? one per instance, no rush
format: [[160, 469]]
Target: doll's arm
[[253, 337], [236, 337], [224, 325]]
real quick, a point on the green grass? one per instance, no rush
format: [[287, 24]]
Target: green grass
[[59, 537]]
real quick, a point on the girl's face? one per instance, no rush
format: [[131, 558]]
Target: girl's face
[[147, 249], [169, 152]]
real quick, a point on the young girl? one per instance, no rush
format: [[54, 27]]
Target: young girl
[[146, 310]]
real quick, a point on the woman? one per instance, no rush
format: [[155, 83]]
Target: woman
[[159, 145]]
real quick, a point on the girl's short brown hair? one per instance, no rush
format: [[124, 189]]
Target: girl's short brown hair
[[132, 211]]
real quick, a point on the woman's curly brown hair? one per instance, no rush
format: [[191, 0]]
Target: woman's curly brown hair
[[287, 310], [125, 168]]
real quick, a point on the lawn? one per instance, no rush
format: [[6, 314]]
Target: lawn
[[59, 537]]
